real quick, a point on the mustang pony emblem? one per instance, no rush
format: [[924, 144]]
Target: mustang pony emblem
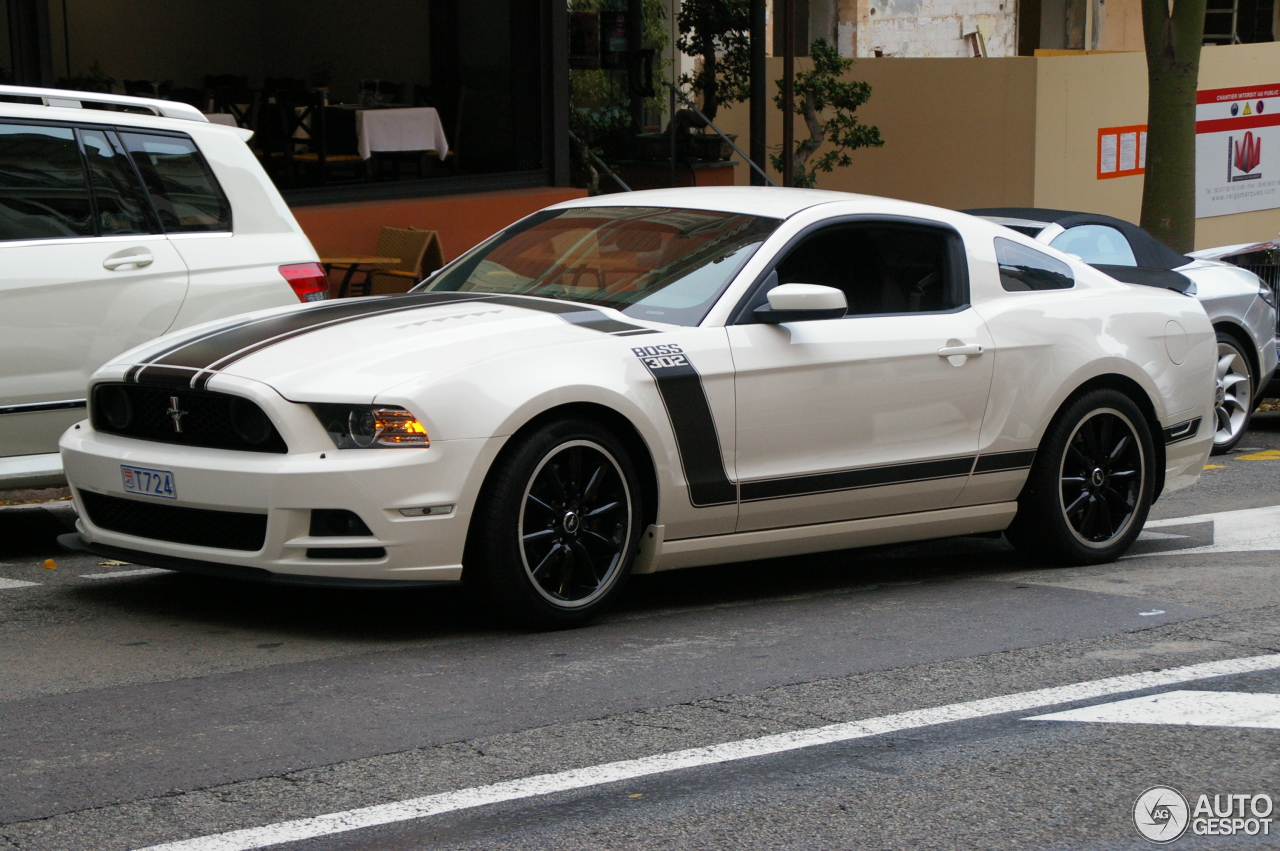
[[176, 413]]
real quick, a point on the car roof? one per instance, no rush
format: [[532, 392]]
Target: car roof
[[771, 201], [1147, 250]]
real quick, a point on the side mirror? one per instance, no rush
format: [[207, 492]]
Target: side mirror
[[797, 302]]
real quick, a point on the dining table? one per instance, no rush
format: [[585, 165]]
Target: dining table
[[400, 129], [354, 263]]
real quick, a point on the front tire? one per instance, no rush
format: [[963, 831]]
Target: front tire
[[556, 527], [1090, 487], [1233, 394]]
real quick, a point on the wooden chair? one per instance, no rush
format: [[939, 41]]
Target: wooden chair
[[195, 97], [276, 85], [140, 88], [303, 116], [214, 82], [430, 96], [419, 252], [455, 138], [383, 91], [242, 104]]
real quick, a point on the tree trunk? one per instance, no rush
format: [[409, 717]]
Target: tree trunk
[[1173, 67], [710, 95], [807, 148]]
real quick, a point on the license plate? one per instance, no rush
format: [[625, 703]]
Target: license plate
[[145, 480]]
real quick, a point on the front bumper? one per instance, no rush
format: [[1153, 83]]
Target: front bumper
[[375, 484]]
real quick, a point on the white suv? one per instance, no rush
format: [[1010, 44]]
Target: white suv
[[122, 218]]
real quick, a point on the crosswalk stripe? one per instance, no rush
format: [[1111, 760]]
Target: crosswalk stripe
[[1185, 708], [583, 778], [16, 583]]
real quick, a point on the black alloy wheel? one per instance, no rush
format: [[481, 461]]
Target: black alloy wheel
[[576, 524], [556, 527], [1090, 488], [1101, 477]]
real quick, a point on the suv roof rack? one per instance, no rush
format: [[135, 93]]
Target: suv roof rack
[[75, 100]]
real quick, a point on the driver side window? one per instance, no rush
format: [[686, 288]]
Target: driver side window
[[882, 268]]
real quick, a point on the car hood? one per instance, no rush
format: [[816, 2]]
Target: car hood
[[352, 350]]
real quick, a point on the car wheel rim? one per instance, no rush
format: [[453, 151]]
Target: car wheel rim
[[1102, 478], [1233, 392], [575, 522]]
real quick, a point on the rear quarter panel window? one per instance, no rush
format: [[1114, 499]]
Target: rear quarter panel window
[[1024, 269], [43, 190], [183, 189]]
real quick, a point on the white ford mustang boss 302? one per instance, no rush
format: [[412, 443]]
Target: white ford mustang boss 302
[[653, 381]]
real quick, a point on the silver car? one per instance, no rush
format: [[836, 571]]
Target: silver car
[[1240, 305]]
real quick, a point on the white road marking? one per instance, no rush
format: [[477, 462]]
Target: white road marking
[[1246, 530], [1187, 708], [142, 571], [1146, 535], [16, 583], [1151, 613], [583, 778]]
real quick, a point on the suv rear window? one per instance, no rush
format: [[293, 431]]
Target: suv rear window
[[43, 192], [183, 189]]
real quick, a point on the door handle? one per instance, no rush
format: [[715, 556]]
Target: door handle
[[970, 350], [139, 260]]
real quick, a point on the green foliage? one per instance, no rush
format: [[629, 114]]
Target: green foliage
[[93, 80], [816, 92], [599, 103], [719, 32]]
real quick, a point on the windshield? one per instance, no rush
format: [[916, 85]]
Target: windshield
[[655, 263]]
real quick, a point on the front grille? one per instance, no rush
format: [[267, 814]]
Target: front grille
[[199, 418], [200, 527]]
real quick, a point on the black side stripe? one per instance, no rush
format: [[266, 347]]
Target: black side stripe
[[864, 477], [1001, 461], [696, 440], [1181, 431]]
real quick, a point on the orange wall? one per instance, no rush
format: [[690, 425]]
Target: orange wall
[[461, 220]]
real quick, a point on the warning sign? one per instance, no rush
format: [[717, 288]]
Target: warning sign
[[1237, 150], [1122, 151]]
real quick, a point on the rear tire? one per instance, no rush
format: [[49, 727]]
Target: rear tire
[[1233, 394], [1090, 487], [556, 527]]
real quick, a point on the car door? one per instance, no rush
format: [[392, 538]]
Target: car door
[[878, 412], [87, 274]]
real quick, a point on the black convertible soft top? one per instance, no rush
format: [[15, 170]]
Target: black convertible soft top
[[1147, 250]]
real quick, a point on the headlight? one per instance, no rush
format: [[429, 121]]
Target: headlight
[[371, 427], [1267, 295]]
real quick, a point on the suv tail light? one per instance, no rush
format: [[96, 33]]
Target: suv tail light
[[308, 280]]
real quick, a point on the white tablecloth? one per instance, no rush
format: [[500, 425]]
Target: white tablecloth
[[221, 118], [414, 129]]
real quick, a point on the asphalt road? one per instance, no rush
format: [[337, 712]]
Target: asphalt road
[[147, 708]]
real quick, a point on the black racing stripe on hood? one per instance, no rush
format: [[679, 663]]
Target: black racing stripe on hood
[[192, 363], [574, 314], [226, 345]]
